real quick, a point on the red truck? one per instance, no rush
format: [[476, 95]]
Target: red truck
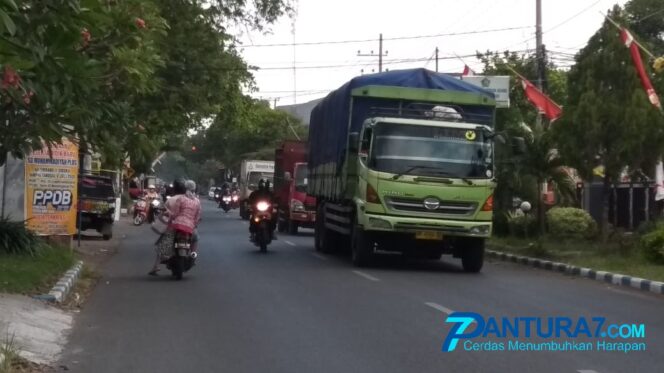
[[296, 208]]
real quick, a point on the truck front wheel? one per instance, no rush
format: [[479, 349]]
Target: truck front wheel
[[361, 247], [472, 254], [292, 227]]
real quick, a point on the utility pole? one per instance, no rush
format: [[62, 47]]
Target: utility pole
[[436, 59], [539, 49], [380, 53]]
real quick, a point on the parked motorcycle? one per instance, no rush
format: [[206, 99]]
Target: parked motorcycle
[[261, 223], [140, 211]]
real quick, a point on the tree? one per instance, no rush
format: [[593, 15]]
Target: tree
[[608, 119], [523, 175]]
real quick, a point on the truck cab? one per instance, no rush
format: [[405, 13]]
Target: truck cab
[[298, 209]]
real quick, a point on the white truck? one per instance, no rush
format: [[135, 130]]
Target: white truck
[[251, 171]]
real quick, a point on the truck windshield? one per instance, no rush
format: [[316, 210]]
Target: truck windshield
[[452, 152], [301, 177], [255, 177]]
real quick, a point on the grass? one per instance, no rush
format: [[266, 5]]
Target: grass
[[8, 354], [27, 274], [623, 258]]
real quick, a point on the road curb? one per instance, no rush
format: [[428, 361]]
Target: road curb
[[608, 277], [62, 288]]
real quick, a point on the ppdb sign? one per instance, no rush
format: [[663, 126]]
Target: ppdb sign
[[51, 182]]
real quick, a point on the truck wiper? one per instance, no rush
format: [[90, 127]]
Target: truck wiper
[[445, 173], [436, 171], [411, 169]]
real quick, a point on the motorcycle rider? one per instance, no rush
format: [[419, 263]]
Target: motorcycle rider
[[150, 196], [262, 193], [184, 212]]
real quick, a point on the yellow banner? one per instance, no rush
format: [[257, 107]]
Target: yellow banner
[[51, 183]]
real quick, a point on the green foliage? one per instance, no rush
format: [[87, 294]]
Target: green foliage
[[652, 245], [16, 239], [609, 120], [34, 274], [521, 225], [570, 222], [122, 77], [521, 175]]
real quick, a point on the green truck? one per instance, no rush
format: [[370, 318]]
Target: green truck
[[403, 161]]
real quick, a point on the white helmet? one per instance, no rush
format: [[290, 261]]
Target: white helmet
[[151, 186]]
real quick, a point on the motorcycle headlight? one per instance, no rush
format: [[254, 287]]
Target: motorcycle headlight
[[235, 198], [155, 203], [226, 199], [216, 196], [297, 205], [262, 206]]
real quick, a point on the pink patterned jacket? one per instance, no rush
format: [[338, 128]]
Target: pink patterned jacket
[[185, 212]]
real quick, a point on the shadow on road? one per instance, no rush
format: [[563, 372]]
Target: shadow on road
[[396, 262]]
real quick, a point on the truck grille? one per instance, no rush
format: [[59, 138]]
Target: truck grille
[[444, 208]]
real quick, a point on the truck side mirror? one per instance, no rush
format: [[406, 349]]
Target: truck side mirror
[[519, 145], [353, 139], [287, 176]]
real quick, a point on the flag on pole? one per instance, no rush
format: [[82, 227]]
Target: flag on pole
[[542, 102], [628, 39], [467, 71]]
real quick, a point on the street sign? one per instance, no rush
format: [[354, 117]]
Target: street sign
[[498, 85]]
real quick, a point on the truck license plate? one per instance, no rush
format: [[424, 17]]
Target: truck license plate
[[429, 235]]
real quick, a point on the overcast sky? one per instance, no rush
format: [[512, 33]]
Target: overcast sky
[[567, 25]]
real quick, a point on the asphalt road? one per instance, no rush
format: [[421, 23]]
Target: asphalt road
[[294, 310]]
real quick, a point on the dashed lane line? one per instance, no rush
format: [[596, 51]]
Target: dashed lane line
[[439, 307], [366, 275]]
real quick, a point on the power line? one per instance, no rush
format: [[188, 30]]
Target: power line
[[392, 38], [558, 25]]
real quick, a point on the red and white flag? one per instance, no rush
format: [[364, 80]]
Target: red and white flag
[[542, 102], [467, 71], [628, 39]]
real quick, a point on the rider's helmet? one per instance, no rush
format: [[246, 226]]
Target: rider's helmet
[[179, 186], [151, 187], [262, 184]]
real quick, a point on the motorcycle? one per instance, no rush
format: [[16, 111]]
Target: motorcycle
[[179, 255], [140, 211], [261, 222], [235, 200], [155, 210], [183, 257], [225, 202]]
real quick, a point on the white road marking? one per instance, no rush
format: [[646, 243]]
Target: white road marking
[[290, 243], [366, 275], [439, 307], [586, 371], [319, 256]]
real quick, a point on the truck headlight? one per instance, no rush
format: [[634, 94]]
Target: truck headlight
[[480, 229], [296, 205]]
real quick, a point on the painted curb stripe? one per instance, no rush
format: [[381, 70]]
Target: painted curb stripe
[[612, 278]]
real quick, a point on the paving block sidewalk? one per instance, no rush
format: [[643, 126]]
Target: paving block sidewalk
[[40, 330]]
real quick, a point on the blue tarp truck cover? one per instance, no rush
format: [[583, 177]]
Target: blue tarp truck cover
[[328, 128]]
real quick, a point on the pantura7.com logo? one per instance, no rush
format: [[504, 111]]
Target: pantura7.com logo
[[558, 333]]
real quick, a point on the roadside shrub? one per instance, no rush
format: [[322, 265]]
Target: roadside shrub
[[652, 245], [522, 225], [16, 239], [570, 222], [501, 225]]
